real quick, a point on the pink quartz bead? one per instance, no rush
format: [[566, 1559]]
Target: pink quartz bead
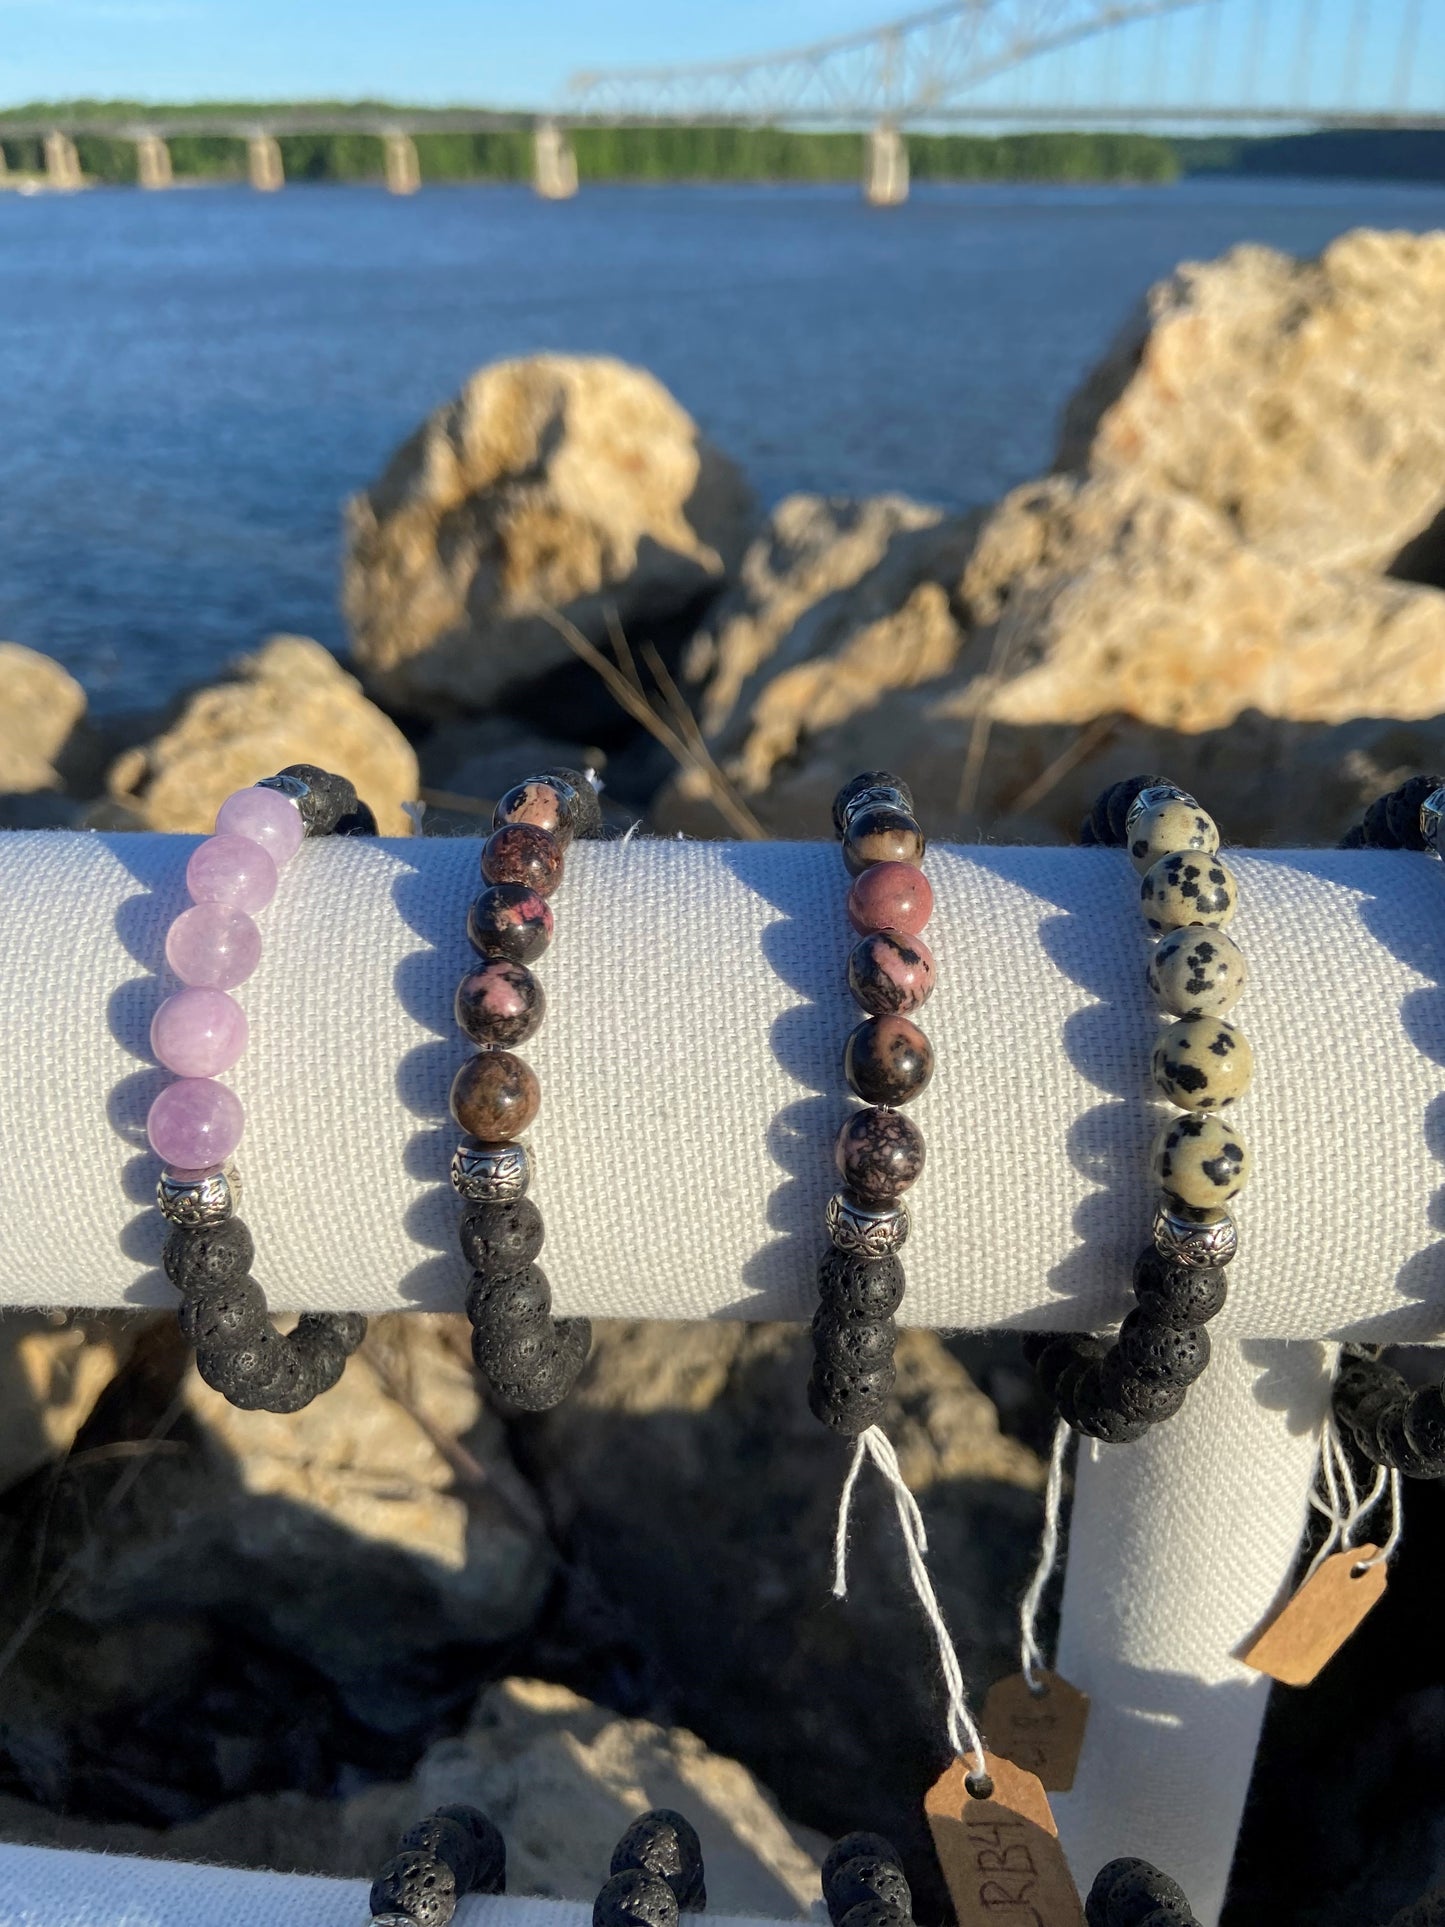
[[195, 1122], [198, 1032], [213, 946], [890, 896], [231, 870], [265, 817]]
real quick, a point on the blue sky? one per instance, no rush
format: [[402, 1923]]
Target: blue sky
[[486, 52]]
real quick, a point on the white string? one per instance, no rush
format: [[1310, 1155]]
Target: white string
[[1397, 1525], [1347, 1509], [1030, 1658], [963, 1735], [1332, 1456]]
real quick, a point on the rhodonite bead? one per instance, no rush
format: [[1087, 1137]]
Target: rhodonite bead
[[546, 802], [879, 1154], [1178, 1295], [231, 870], [509, 920], [206, 1257], [500, 1003], [521, 853], [265, 817], [1197, 971], [1202, 1160], [859, 1287], [212, 946], [1166, 824], [881, 834], [1183, 889], [1202, 1063], [872, 786], [199, 1032], [495, 1095], [501, 1238], [195, 1122], [891, 973], [890, 896], [887, 1060]]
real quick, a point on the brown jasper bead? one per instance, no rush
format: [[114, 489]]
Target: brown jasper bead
[[500, 1003], [891, 973], [882, 835], [495, 1095], [509, 920], [521, 853], [887, 1060], [879, 1153], [545, 802]]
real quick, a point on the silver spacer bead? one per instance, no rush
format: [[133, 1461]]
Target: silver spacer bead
[[1210, 1238], [871, 1230], [290, 787], [199, 1197], [1146, 799], [883, 794], [1432, 820], [491, 1173]]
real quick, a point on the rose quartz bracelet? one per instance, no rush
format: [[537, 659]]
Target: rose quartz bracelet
[[195, 1124]]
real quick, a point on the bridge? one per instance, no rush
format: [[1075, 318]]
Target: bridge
[[1249, 65]]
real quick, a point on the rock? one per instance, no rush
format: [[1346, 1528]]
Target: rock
[[695, 1497], [53, 1368], [40, 706], [290, 702], [566, 482], [1302, 401]]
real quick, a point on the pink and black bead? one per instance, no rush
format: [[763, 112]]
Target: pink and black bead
[[527, 1357], [195, 1123], [887, 1061]]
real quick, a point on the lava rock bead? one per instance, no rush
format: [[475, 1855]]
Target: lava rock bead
[[848, 1403], [1149, 1399], [857, 1287], [417, 1884], [445, 1840], [854, 1344], [556, 1376], [521, 853], [1202, 1063], [878, 785], [1110, 814], [358, 822], [489, 1874], [890, 896], [879, 1154], [1158, 1352], [887, 1060], [865, 1878], [498, 1303], [501, 1239], [881, 833], [1178, 1295], [1166, 824], [500, 1002], [635, 1898], [543, 802], [1202, 1160], [890, 973], [515, 1352], [587, 821], [1182, 889], [203, 1257], [1197, 971], [227, 1314], [1135, 1893], [510, 920], [495, 1095], [856, 1846], [329, 797], [1402, 811], [665, 1844], [1097, 1416]]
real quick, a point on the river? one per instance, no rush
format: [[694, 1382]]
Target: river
[[191, 383]]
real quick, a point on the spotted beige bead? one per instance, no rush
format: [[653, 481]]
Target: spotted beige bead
[[1197, 971], [1185, 888], [1175, 823], [1202, 1063], [1202, 1160]]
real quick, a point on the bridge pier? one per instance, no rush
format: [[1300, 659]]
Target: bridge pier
[[403, 169], [62, 163], [554, 164], [263, 163], [152, 162], [885, 167]]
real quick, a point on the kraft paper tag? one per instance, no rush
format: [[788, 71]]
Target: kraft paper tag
[[1041, 1732], [1313, 1625], [1001, 1856]]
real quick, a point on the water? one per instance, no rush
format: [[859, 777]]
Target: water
[[192, 383]]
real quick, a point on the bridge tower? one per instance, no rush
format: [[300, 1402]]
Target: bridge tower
[[263, 163], [554, 164], [885, 167], [62, 163], [403, 169], [152, 161]]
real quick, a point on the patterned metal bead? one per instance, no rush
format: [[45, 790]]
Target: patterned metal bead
[[1149, 799], [1432, 820], [881, 797], [290, 787], [491, 1173], [1205, 1238], [199, 1197], [873, 1231]]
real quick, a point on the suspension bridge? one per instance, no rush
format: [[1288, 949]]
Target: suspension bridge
[[1201, 65]]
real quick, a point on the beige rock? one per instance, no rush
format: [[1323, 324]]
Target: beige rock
[[563, 482], [1302, 401], [53, 1367], [40, 705], [290, 702]]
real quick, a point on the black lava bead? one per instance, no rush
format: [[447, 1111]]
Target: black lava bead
[[224, 1314], [1178, 1295], [854, 1344], [357, 822], [489, 1874], [868, 1878], [557, 1373], [856, 1846], [1402, 810], [244, 1373], [1121, 797], [587, 823], [1158, 1351], [887, 1060], [417, 1884], [500, 1239], [1425, 1422], [500, 1002], [857, 1287], [635, 1899], [1150, 1399], [496, 1304], [203, 1257], [513, 1349], [1097, 1416], [664, 1844], [332, 797], [1063, 1350], [1139, 1892]]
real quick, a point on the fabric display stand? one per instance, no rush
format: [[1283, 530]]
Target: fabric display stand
[[693, 1084]]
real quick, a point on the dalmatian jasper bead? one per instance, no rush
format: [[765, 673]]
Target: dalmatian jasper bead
[[1201, 1160], [1186, 888], [1176, 823], [1201, 1064], [1197, 972]]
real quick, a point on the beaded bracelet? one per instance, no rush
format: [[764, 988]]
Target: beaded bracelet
[[656, 1874], [525, 1355], [864, 1883], [195, 1124], [1394, 1425], [1202, 1065], [454, 1851], [1132, 1893], [887, 1060]]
